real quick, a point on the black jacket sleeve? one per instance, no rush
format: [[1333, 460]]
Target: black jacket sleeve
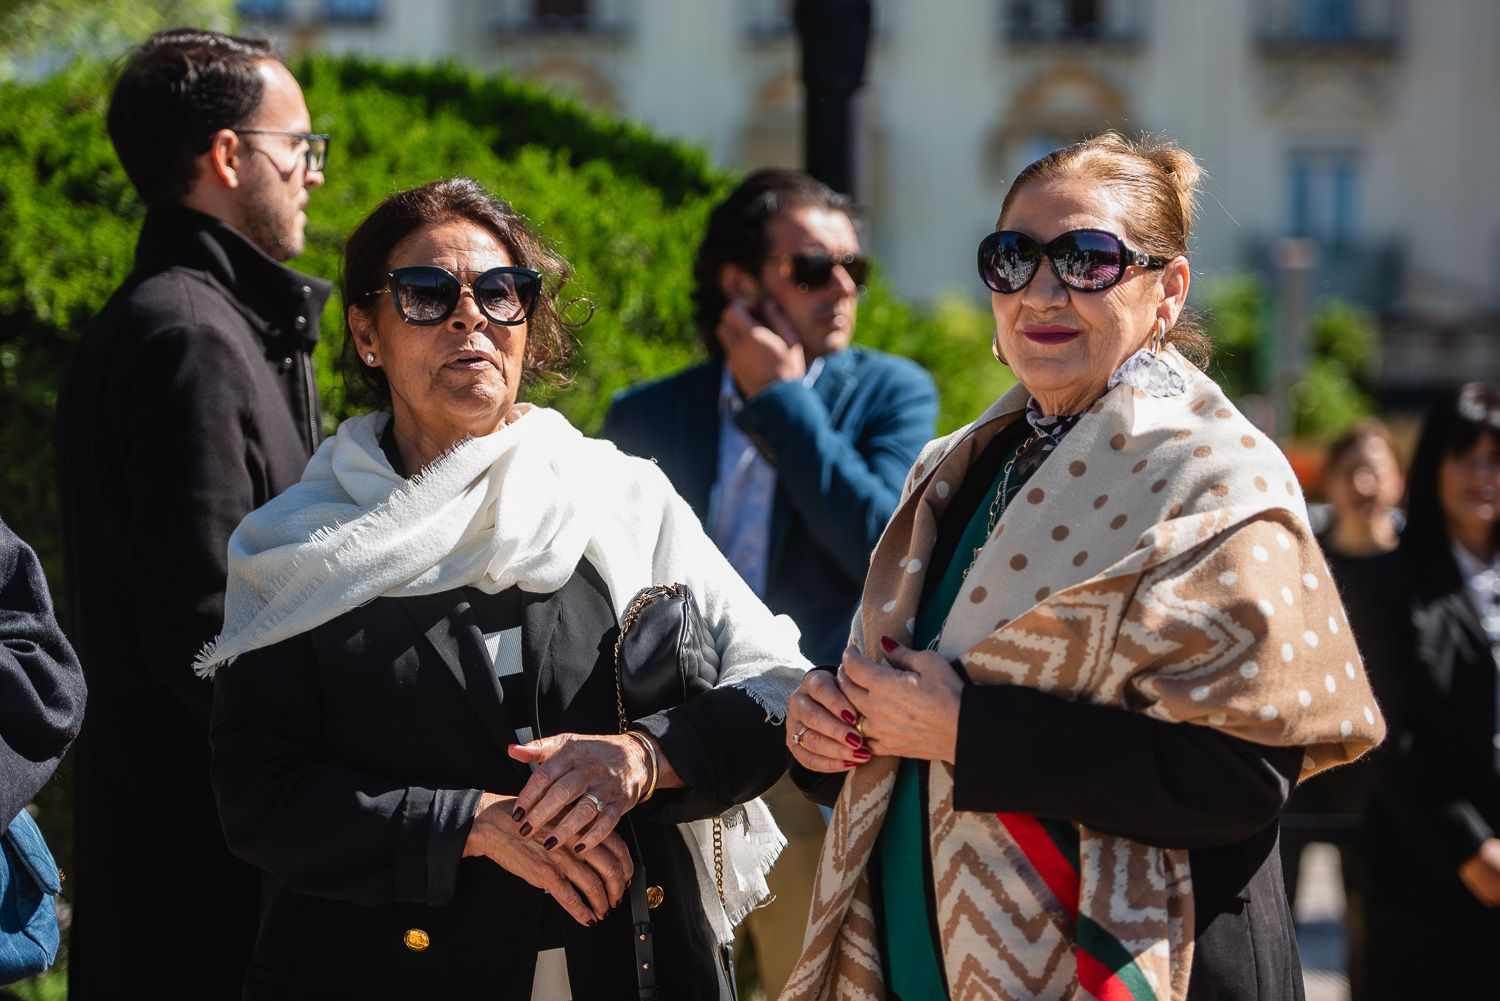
[[323, 826], [41, 685], [1171, 785], [187, 423], [723, 746]]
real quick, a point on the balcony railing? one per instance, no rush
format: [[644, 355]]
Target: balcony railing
[[1111, 23], [1333, 27], [1366, 272], [576, 17]]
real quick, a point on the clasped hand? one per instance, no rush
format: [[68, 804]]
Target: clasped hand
[[558, 833], [905, 707]]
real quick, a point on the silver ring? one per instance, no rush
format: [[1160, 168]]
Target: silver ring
[[590, 797], [797, 737]]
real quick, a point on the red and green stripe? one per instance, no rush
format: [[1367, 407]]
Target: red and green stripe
[[1106, 970]]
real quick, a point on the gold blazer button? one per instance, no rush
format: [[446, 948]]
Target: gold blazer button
[[416, 939], [654, 896]]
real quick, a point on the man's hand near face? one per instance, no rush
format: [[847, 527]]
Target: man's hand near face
[[761, 347]]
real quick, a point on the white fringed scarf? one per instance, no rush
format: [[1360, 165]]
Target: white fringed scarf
[[519, 507]]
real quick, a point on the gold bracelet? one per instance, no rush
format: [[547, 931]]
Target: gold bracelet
[[650, 747]]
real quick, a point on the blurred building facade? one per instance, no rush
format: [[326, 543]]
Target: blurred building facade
[[1368, 128]]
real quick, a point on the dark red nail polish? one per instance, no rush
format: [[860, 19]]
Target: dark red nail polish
[[517, 814], [862, 754], [888, 643], [853, 739], [851, 764], [578, 848], [550, 843], [848, 717], [593, 921], [525, 830]]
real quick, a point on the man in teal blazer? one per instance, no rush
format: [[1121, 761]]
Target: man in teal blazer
[[790, 445]]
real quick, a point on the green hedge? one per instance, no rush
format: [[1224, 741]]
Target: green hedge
[[627, 208]]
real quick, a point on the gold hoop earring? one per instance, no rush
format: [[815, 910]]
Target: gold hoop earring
[[1159, 337], [995, 350]]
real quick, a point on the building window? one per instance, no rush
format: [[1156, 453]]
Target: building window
[[1323, 189], [351, 10], [1327, 18], [264, 10]]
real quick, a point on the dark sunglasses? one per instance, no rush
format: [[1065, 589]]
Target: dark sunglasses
[[1089, 260], [813, 270], [427, 294]]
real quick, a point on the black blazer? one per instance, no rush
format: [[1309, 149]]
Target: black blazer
[[1439, 798], [347, 764]]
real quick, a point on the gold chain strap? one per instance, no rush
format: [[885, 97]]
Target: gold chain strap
[[632, 614]]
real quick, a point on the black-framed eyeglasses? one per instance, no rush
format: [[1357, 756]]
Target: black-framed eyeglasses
[[426, 294], [316, 153], [814, 269], [1089, 260]]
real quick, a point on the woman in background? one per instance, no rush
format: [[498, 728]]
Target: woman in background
[[1433, 915]]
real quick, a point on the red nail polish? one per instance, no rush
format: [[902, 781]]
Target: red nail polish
[[853, 739], [851, 764], [888, 643], [525, 830], [593, 921], [517, 814], [550, 843], [578, 848], [862, 754], [849, 717]]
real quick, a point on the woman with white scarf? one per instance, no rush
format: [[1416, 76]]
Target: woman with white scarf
[[415, 727]]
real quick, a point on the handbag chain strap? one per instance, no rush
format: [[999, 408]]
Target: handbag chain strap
[[632, 614]]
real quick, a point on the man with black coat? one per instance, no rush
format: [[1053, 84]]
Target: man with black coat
[[190, 401]]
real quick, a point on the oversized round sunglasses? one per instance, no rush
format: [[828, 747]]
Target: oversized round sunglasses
[[426, 294], [814, 269], [1089, 260]]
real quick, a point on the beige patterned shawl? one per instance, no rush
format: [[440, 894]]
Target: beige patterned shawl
[[1159, 561]]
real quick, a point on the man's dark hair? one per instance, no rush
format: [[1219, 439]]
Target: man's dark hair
[[178, 88], [737, 235]]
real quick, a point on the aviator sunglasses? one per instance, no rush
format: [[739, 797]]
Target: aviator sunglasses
[[427, 294], [814, 269], [1089, 260]]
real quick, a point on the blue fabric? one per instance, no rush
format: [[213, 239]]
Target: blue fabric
[[29, 882], [841, 450]]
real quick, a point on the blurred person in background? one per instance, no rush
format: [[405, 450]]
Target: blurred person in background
[[1363, 484], [433, 612], [790, 443], [189, 402], [1096, 648], [1433, 887]]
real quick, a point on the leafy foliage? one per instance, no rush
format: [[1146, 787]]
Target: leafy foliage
[[626, 208], [1332, 389]]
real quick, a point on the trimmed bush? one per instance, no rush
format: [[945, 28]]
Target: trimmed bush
[[625, 207]]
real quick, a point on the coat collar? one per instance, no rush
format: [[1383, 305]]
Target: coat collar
[[282, 302]]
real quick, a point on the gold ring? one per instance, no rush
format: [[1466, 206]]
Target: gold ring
[[797, 737], [590, 797], [859, 725]]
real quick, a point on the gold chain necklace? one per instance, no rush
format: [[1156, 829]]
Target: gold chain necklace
[[998, 504]]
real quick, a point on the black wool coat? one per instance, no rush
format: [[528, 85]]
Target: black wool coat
[[348, 762], [189, 402]]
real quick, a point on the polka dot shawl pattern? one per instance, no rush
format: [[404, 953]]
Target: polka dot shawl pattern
[[1160, 562]]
